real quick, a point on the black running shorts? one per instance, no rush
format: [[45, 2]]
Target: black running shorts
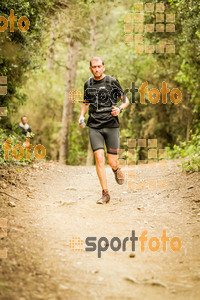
[[110, 136]]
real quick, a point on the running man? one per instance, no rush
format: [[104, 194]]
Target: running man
[[101, 94]]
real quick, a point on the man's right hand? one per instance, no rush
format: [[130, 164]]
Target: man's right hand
[[81, 121]]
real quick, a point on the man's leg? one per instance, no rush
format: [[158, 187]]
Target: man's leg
[[112, 139], [100, 167], [114, 163], [113, 160], [97, 143]]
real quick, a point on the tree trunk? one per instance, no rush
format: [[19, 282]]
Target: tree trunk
[[50, 57], [188, 130], [93, 34], [90, 154], [71, 66]]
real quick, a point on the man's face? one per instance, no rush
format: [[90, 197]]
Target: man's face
[[97, 68], [24, 121]]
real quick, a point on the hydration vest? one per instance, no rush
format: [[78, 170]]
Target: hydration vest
[[99, 106]]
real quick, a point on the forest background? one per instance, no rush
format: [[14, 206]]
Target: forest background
[[52, 57]]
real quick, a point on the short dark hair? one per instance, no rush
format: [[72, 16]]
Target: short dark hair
[[23, 117], [96, 58]]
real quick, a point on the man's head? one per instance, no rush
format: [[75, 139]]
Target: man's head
[[97, 67], [24, 120]]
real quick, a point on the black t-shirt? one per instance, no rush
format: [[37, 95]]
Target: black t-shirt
[[102, 95]]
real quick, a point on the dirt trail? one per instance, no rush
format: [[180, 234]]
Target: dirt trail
[[57, 203]]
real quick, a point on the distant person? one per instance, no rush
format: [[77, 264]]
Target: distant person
[[25, 128]]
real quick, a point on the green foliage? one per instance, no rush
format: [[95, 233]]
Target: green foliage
[[20, 51], [193, 165], [78, 145], [190, 150], [15, 139]]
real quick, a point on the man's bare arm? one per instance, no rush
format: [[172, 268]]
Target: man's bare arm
[[84, 110], [125, 102], [115, 110]]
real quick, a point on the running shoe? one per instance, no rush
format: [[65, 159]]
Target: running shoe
[[104, 199], [119, 176]]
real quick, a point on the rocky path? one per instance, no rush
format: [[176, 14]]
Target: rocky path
[[58, 204]]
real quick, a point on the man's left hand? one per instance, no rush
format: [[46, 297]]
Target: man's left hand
[[115, 111]]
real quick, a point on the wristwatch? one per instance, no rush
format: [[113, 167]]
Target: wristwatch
[[121, 109]]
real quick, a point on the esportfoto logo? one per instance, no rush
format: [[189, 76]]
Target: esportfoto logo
[[116, 244]]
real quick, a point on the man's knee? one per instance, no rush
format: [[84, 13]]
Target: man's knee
[[100, 159]]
